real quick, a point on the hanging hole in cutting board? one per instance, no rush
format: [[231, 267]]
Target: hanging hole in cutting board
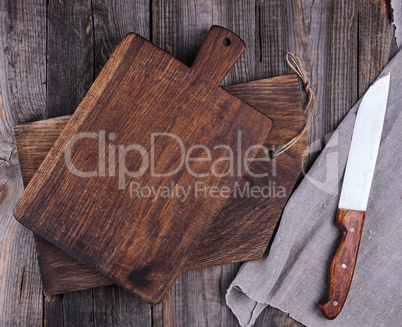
[[271, 154], [227, 42]]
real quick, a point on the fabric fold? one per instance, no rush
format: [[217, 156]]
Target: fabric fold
[[293, 276]]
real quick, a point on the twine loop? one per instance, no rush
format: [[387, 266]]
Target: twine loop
[[296, 65]]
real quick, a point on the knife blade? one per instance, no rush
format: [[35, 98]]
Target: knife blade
[[355, 193]]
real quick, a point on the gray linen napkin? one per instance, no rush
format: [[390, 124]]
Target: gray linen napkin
[[293, 277]]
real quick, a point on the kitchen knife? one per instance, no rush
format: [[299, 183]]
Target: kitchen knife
[[355, 193]]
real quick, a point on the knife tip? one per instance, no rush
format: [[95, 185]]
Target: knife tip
[[384, 75], [383, 80]]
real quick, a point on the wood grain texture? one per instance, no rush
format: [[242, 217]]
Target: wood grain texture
[[304, 27], [328, 37], [180, 27], [132, 250], [22, 98], [244, 227], [57, 268], [377, 44], [325, 36], [186, 303], [20, 285], [112, 20], [343, 262], [312, 31], [103, 306], [238, 233], [70, 64], [28, 138]]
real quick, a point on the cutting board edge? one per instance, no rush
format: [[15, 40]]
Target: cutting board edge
[[67, 117]]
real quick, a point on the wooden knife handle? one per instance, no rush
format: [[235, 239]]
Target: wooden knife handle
[[218, 54], [343, 263]]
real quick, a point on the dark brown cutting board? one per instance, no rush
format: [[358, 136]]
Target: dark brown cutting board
[[242, 229], [138, 243]]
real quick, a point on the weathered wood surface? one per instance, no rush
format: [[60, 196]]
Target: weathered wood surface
[[111, 21], [245, 225], [22, 98], [237, 233], [342, 44], [135, 241], [69, 70]]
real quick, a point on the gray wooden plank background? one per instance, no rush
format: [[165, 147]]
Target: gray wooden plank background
[[50, 53]]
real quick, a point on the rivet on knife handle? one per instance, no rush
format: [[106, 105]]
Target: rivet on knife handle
[[343, 263]]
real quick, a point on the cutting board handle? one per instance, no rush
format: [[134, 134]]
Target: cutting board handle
[[218, 54]]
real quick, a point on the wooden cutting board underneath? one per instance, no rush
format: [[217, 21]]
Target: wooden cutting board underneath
[[242, 229], [148, 122]]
